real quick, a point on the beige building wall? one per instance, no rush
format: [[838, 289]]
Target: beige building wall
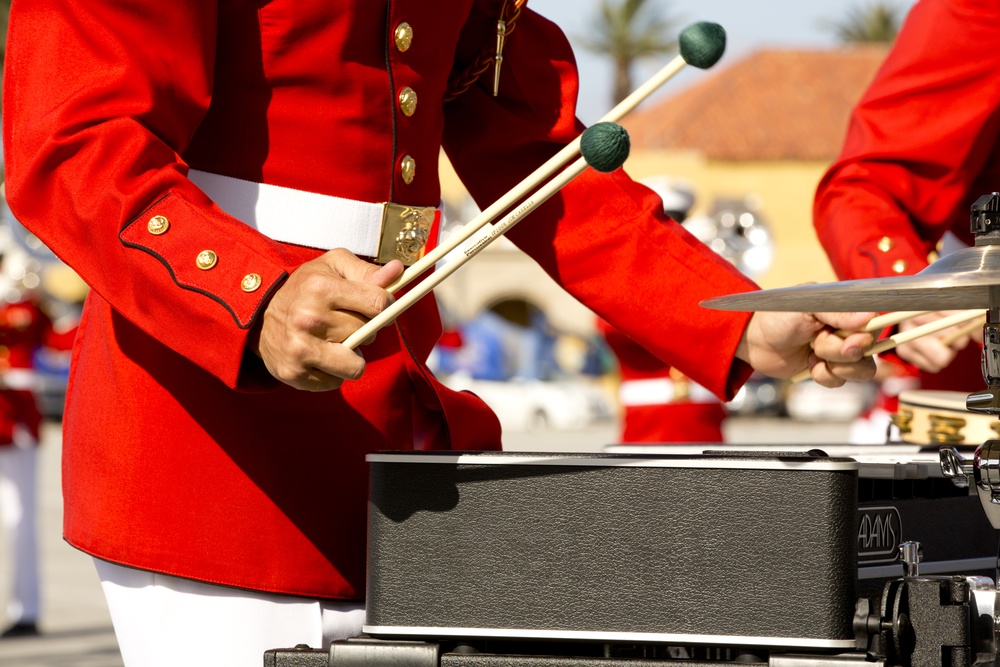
[[782, 193]]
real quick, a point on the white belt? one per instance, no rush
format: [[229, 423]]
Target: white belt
[[660, 391], [382, 231]]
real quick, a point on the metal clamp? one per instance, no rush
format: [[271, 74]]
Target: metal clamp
[[984, 469], [910, 553]]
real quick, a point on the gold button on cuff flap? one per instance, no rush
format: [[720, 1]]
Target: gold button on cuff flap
[[408, 169], [251, 282], [158, 225], [206, 260], [899, 265], [405, 230], [403, 36], [407, 101], [885, 244]]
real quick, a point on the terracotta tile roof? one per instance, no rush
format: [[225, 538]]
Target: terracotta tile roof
[[771, 105]]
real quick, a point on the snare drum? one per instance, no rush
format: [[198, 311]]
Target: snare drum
[[940, 418]]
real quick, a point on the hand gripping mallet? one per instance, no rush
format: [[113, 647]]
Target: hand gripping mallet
[[604, 146], [700, 45]]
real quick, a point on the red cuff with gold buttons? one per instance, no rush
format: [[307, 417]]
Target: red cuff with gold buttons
[[890, 257], [229, 272]]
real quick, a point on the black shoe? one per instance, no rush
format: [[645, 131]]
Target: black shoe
[[20, 630]]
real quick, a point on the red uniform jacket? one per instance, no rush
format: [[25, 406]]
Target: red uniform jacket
[[921, 147], [179, 456]]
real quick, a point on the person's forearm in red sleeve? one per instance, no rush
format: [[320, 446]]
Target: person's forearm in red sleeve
[[93, 167], [921, 145]]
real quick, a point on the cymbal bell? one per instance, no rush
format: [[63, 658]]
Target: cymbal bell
[[958, 281]]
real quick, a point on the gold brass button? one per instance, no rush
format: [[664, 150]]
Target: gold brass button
[[251, 282], [408, 169], [407, 101], [899, 265], [404, 36], [158, 225], [206, 260], [885, 244]]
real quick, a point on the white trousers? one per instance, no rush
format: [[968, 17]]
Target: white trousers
[[164, 621], [18, 519]]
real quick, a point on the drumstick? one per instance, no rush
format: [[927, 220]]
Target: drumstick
[[892, 341], [701, 45], [604, 146], [924, 330], [887, 320], [882, 321]]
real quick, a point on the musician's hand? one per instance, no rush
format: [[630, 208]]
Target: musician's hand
[[782, 344], [322, 303], [934, 352]]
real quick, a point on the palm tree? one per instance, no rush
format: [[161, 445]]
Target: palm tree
[[877, 22], [626, 31]]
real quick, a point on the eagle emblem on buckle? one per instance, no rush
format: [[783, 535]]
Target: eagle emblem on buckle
[[405, 230]]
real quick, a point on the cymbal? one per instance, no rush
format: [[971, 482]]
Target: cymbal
[[958, 281]]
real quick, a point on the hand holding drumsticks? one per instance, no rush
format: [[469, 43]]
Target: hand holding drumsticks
[[890, 319], [933, 353]]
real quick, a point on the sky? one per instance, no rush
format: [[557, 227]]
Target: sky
[[750, 25]]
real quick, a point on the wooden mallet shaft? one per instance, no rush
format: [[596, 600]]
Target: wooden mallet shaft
[[488, 236], [701, 45]]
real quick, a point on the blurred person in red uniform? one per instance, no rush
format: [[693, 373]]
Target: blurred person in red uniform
[[921, 147], [218, 174], [657, 402], [24, 328]]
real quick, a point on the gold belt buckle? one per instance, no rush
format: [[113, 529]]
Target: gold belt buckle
[[405, 230]]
